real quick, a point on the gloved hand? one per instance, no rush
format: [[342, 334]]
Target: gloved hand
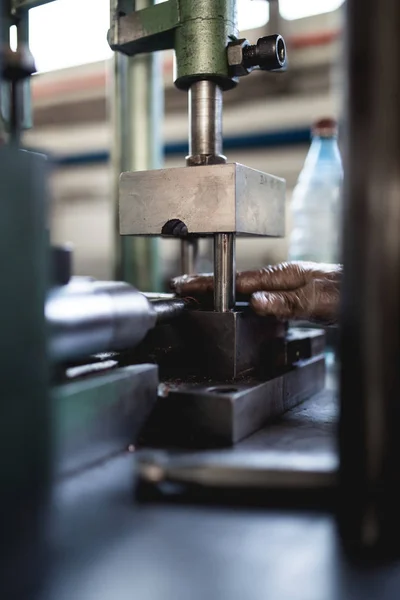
[[295, 290]]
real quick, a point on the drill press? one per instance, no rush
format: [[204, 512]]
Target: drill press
[[210, 197]]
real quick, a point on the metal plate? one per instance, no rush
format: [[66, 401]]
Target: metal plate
[[99, 416], [227, 198], [206, 416]]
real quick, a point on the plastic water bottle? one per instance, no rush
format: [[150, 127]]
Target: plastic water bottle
[[317, 199]]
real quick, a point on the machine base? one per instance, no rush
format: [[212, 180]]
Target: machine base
[[99, 416], [208, 415]]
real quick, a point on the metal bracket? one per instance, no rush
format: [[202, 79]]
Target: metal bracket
[[198, 31], [148, 30], [19, 5]]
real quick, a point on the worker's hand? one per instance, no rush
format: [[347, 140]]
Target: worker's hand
[[296, 290]]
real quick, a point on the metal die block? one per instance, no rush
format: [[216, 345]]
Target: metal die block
[[228, 345], [221, 346], [214, 415], [228, 198], [99, 416], [225, 346]]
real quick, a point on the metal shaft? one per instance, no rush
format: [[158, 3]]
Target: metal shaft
[[370, 408], [205, 148], [224, 272], [205, 120], [89, 317]]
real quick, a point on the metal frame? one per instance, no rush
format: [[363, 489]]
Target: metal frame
[[137, 109], [25, 424], [198, 30], [23, 5]]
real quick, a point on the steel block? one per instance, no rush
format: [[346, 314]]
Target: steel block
[[225, 346], [211, 415], [221, 346], [228, 198]]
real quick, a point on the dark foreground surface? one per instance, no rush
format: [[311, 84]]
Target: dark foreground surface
[[105, 546]]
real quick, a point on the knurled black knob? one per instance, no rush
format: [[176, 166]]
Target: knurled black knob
[[269, 54]]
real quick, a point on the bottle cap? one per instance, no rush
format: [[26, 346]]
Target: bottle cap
[[326, 127]]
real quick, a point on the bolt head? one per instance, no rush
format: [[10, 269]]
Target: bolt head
[[272, 54], [235, 58]]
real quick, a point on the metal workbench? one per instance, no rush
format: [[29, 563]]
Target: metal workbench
[[111, 548]]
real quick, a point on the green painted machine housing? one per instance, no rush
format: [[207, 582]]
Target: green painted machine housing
[[198, 30]]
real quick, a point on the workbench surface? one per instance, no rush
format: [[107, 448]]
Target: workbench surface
[[109, 548]]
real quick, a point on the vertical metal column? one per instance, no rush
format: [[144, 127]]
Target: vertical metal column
[[25, 423], [224, 272], [137, 110], [205, 124], [26, 92], [205, 148], [370, 406]]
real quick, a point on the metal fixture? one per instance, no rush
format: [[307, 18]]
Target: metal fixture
[[205, 148], [269, 54], [221, 414], [198, 31], [212, 199]]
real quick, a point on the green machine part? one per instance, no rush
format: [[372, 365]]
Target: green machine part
[[200, 41], [198, 31]]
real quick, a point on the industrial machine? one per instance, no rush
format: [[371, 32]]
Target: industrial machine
[[86, 364], [223, 371]]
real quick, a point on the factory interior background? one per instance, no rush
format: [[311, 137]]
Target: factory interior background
[[267, 118]]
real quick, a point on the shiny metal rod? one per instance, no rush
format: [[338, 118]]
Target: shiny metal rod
[[205, 121], [205, 148], [224, 272]]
